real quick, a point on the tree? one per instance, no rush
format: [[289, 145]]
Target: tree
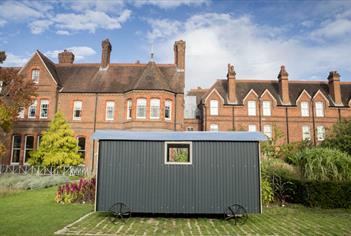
[[58, 146], [339, 137], [14, 94]]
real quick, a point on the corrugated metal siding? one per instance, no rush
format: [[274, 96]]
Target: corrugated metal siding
[[221, 174]]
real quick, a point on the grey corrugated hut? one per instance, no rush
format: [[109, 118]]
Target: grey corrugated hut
[[139, 169]]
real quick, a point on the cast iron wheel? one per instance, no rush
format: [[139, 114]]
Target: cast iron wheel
[[119, 211], [236, 212]]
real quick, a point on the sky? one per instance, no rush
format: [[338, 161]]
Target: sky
[[311, 38]]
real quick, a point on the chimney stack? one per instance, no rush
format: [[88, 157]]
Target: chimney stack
[[284, 85], [179, 55], [106, 53], [66, 57], [334, 87], [231, 83]]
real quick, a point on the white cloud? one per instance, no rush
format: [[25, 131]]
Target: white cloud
[[332, 29], [39, 26], [90, 20], [167, 4], [162, 28], [13, 10], [214, 40], [96, 5], [80, 52], [14, 60], [2, 22], [62, 32]]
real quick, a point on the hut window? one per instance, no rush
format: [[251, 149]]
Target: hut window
[[141, 108], [155, 109], [178, 152]]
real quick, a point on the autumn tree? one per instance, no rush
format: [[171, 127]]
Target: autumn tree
[[58, 146], [15, 93]]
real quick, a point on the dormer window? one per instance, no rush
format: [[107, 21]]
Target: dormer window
[[304, 109], [251, 108], [35, 76], [267, 108], [319, 109]]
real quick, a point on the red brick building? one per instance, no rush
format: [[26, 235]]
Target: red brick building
[[99, 96], [151, 97], [299, 109]]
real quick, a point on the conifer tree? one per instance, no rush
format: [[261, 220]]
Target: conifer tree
[[58, 146]]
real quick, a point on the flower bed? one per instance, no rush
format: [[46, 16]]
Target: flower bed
[[82, 191]]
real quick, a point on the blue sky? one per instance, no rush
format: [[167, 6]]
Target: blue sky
[[310, 38]]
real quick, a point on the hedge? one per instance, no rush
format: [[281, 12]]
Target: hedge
[[327, 194]]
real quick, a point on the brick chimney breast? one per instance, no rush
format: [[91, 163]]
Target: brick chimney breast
[[66, 57], [334, 87], [106, 53], [284, 85], [179, 55], [231, 84]]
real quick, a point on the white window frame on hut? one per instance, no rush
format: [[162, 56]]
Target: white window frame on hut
[[190, 162]]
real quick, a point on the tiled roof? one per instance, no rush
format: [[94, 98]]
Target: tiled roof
[[243, 87], [117, 78]]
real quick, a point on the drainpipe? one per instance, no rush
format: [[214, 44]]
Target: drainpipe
[[339, 113], [204, 118], [94, 129], [287, 125], [259, 114], [175, 112], [313, 124], [233, 118], [56, 99]]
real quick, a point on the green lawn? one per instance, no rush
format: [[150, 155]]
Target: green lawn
[[34, 212], [292, 220]]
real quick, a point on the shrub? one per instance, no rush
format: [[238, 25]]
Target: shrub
[[339, 137], [12, 181], [323, 164], [266, 191], [77, 192], [277, 167], [288, 150]]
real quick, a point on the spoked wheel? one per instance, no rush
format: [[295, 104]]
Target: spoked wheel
[[119, 211], [237, 213]]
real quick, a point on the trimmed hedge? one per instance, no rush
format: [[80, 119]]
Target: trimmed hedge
[[327, 194]]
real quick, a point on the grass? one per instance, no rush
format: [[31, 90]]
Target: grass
[[35, 212], [292, 220], [14, 181]]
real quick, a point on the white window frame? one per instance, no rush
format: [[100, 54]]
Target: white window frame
[[27, 149], [12, 149], [33, 105], [44, 102], [1, 85], [212, 129], [320, 133], [251, 108], [268, 133], [129, 109], [179, 163], [35, 76], [214, 106], [20, 114], [77, 105], [306, 133], [267, 108], [168, 106], [155, 103], [319, 109], [305, 109], [110, 105], [252, 128], [85, 145], [141, 103]]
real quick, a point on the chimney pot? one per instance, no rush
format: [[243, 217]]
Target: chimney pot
[[106, 53], [231, 84], [66, 57], [284, 85], [179, 54]]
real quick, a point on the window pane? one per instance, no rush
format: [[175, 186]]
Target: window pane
[[320, 133], [29, 145], [35, 76], [16, 155], [16, 148], [141, 108], [168, 105], [178, 153], [129, 107], [319, 109], [213, 127], [306, 133], [110, 109], [266, 108], [44, 105], [252, 128], [32, 109], [213, 107], [155, 108], [304, 109], [81, 146], [251, 108]]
